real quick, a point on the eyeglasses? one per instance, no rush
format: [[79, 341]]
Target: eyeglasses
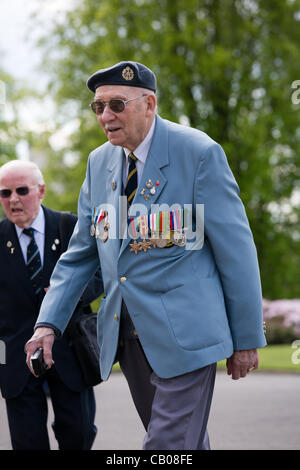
[[116, 105], [21, 191]]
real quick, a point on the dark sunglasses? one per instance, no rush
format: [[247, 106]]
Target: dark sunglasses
[[116, 105], [21, 191]]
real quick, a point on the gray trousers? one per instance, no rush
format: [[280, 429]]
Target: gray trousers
[[174, 411]]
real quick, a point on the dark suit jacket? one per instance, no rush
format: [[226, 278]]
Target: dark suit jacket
[[19, 307]]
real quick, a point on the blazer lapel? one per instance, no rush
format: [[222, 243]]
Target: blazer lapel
[[157, 158], [114, 190], [52, 247]]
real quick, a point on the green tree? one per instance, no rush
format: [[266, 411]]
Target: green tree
[[9, 125], [225, 67], [11, 131]]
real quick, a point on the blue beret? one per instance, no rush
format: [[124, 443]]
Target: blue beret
[[124, 73]]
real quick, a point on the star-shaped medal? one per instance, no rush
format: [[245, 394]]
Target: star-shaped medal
[[135, 247], [153, 242], [145, 245]]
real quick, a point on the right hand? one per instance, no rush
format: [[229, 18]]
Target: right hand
[[43, 338]]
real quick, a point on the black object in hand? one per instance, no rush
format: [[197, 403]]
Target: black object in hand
[[37, 362]]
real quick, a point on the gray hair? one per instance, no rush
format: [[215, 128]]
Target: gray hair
[[19, 164]]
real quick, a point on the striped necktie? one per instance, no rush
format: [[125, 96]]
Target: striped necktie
[[34, 264], [131, 183]]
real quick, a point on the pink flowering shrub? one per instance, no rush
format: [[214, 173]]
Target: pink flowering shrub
[[282, 318]]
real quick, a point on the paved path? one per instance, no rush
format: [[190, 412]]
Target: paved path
[[260, 412]]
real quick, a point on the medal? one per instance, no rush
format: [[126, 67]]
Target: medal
[[161, 242], [154, 225], [135, 247], [145, 245], [149, 184], [178, 236], [165, 225], [104, 236], [132, 229], [144, 226], [12, 248], [92, 230]]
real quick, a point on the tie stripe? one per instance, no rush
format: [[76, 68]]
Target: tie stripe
[[34, 264], [130, 175], [33, 256], [36, 273], [131, 183]]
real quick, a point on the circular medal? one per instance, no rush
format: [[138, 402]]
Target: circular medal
[[104, 236], [180, 241], [93, 230], [161, 242]]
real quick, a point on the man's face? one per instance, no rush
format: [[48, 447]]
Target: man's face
[[21, 210], [129, 128]]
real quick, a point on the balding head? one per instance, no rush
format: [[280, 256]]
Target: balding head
[[20, 166], [21, 206]]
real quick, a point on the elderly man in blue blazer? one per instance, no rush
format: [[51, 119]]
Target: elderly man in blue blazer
[[160, 212]]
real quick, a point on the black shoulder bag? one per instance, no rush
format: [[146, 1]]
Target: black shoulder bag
[[82, 328]]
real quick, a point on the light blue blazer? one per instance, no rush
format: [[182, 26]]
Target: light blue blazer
[[190, 307]]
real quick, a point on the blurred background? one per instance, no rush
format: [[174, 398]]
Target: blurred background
[[230, 68]]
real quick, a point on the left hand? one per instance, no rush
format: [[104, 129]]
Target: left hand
[[242, 362], [42, 338]]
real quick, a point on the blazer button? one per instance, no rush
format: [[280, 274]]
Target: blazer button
[[123, 279], [116, 317]]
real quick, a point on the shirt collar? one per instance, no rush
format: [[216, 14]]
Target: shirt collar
[[38, 224], [142, 150]]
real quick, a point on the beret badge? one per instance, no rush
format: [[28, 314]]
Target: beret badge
[[128, 73]]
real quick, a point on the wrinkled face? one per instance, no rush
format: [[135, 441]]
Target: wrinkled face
[[21, 210], [128, 128]]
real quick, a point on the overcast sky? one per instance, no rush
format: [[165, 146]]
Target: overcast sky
[[20, 57], [18, 54]]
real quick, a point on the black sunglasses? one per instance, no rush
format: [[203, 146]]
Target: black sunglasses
[[21, 191], [116, 105]]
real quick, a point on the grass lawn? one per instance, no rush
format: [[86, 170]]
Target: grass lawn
[[276, 357]]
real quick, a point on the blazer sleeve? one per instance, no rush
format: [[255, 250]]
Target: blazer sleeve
[[227, 230], [73, 270], [95, 286]]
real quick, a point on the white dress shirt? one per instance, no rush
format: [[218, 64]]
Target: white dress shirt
[[39, 235], [141, 153]]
